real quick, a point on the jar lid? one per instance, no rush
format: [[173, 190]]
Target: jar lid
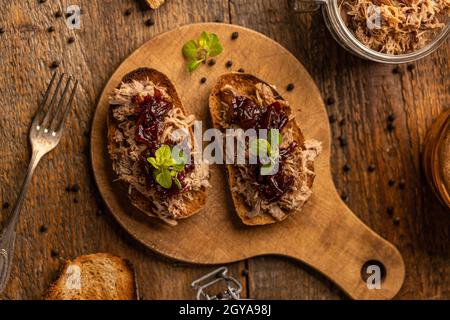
[[436, 157]]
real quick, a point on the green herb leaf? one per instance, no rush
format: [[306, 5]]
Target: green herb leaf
[[164, 178], [275, 135], [177, 182], [153, 162], [190, 49], [196, 52], [215, 47], [163, 153], [193, 65], [259, 147], [166, 168]]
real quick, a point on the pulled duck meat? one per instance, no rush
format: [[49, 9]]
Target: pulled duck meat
[[146, 118], [287, 188], [395, 26]]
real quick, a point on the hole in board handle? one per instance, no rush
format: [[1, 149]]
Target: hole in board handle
[[366, 272]]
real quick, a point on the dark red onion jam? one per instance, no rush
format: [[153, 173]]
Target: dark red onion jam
[[150, 114], [247, 114]]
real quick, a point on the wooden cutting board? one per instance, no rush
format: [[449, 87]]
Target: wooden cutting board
[[325, 235]]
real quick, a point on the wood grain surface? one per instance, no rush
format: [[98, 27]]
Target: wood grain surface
[[56, 224]]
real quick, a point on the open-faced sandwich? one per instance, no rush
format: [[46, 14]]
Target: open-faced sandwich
[[146, 122], [242, 101]]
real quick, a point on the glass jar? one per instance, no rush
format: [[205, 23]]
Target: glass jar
[[436, 157], [345, 37]]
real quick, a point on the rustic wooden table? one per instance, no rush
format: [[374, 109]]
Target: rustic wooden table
[[56, 224]]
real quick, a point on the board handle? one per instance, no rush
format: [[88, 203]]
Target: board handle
[[353, 256]]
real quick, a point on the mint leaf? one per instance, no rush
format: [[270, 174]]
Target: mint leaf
[[166, 168], [204, 40], [215, 48], [153, 162], [193, 65], [259, 147], [274, 135], [163, 153], [164, 178], [196, 52], [190, 49], [177, 182]]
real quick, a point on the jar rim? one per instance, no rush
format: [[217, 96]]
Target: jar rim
[[332, 10]]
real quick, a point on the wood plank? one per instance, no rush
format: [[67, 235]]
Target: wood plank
[[363, 94], [73, 225]]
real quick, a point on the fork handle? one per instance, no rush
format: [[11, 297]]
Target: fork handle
[[8, 234]]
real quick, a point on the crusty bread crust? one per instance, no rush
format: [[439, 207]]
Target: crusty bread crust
[[103, 277], [138, 199], [245, 84]]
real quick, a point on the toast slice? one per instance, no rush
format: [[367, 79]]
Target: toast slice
[[191, 201], [99, 276], [245, 85], [155, 4]]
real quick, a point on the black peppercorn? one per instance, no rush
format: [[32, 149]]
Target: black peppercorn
[[330, 101], [229, 64], [2, 30], [390, 117], [211, 62], [51, 29], [391, 126], [396, 70], [5, 205], [397, 220], [410, 67], [390, 211], [241, 70], [402, 184], [54, 253], [346, 167], [203, 80], [234, 35], [342, 122], [43, 229], [332, 118], [342, 141], [245, 272], [290, 87], [54, 64], [344, 196], [391, 182], [149, 22], [75, 188], [58, 14], [371, 168], [127, 12], [71, 40], [42, 1]]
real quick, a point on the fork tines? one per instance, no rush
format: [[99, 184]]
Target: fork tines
[[51, 116]]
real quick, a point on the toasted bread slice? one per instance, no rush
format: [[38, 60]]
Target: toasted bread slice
[[155, 4], [138, 199], [245, 85], [99, 276]]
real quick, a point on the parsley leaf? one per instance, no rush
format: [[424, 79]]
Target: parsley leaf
[[198, 51]]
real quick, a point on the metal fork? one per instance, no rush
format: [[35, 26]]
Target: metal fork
[[45, 133]]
